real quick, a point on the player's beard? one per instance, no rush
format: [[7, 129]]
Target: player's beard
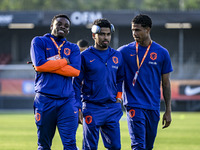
[[104, 45]]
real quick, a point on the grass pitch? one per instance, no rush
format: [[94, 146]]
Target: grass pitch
[[18, 132]]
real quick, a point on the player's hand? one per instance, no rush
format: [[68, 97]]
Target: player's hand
[[80, 117], [166, 120], [35, 69], [30, 62]]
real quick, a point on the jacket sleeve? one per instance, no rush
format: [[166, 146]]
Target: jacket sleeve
[[77, 83], [51, 65], [68, 71], [120, 78]]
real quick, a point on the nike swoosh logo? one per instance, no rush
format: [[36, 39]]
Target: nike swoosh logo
[[92, 60], [191, 91], [75, 112], [132, 54], [48, 48]]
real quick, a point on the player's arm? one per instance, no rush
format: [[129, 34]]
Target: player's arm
[[166, 88], [38, 58], [120, 78], [51, 65], [78, 84], [68, 71]]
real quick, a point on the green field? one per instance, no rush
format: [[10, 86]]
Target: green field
[[18, 132]]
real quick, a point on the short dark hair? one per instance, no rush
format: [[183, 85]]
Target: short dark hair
[[142, 19], [60, 16], [103, 22], [82, 43]]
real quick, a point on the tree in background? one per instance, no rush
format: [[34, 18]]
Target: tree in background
[[82, 5]]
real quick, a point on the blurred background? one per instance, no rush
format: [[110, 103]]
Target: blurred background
[[176, 26]]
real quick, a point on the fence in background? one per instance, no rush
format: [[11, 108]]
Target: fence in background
[[17, 90]]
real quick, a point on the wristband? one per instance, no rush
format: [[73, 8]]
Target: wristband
[[119, 99]]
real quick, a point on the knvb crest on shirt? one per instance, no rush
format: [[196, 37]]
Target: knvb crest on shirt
[[67, 51], [153, 56], [115, 59]]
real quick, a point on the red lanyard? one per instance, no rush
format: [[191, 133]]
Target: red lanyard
[[138, 63], [143, 56], [58, 47]]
